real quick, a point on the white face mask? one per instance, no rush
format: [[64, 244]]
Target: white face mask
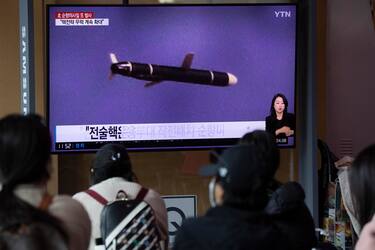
[[211, 192]]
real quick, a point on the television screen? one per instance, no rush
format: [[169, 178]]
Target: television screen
[[169, 76]]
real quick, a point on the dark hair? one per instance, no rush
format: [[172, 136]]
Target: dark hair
[[272, 109], [267, 151], [256, 199], [267, 158], [361, 178], [112, 160], [24, 155], [34, 236], [24, 150]]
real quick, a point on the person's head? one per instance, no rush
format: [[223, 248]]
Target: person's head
[[24, 150], [279, 105], [361, 178], [112, 160], [267, 150], [24, 159], [241, 181], [33, 236]]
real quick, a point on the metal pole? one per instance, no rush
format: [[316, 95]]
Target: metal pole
[[27, 79], [308, 168]]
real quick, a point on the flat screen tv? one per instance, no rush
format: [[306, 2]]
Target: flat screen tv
[[157, 77]]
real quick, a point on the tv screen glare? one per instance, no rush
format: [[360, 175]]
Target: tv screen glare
[[156, 77]]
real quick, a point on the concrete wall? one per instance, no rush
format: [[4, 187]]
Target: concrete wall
[[9, 58], [350, 76]]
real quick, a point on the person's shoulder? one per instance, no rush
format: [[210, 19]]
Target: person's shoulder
[[63, 199], [84, 197], [152, 193], [69, 210], [292, 188], [287, 197], [209, 223], [270, 120], [79, 196], [114, 184], [153, 198], [75, 219], [67, 204], [190, 236], [290, 118], [290, 115], [193, 225]]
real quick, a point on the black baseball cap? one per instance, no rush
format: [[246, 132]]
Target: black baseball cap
[[112, 156], [238, 168]]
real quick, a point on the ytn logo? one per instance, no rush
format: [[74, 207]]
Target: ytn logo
[[283, 14]]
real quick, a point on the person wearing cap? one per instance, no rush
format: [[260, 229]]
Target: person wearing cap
[[237, 220], [112, 172], [286, 205]]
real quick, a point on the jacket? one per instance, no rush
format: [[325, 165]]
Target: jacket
[[231, 229], [72, 214], [291, 216]]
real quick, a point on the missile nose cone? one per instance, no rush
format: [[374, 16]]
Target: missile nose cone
[[232, 79], [113, 58]]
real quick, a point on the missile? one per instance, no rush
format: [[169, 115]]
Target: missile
[[155, 74]]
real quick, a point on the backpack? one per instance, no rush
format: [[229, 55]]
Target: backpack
[[127, 224]]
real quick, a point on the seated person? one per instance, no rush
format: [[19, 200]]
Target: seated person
[[280, 123], [361, 186], [33, 236], [237, 221], [356, 185], [286, 204], [366, 239], [112, 172], [25, 146], [267, 149]]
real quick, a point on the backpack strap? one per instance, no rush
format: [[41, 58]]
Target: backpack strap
[[96, 196], [141, 194]]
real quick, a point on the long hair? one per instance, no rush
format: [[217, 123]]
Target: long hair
[[272, 109], [24, 156], [361, 178]]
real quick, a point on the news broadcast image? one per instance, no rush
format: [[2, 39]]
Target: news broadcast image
[[89, 105]]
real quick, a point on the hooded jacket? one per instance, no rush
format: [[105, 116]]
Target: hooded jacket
[[227, 228], [291, 216]]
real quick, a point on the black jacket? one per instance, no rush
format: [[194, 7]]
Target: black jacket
[[292, 217], [231, 229], [272, 124]]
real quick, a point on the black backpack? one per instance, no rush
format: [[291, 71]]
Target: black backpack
[[127, 224]]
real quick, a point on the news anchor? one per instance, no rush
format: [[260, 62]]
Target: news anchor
[[280, 123]]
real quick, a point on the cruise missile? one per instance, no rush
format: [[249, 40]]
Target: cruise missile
[[154, 73]]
